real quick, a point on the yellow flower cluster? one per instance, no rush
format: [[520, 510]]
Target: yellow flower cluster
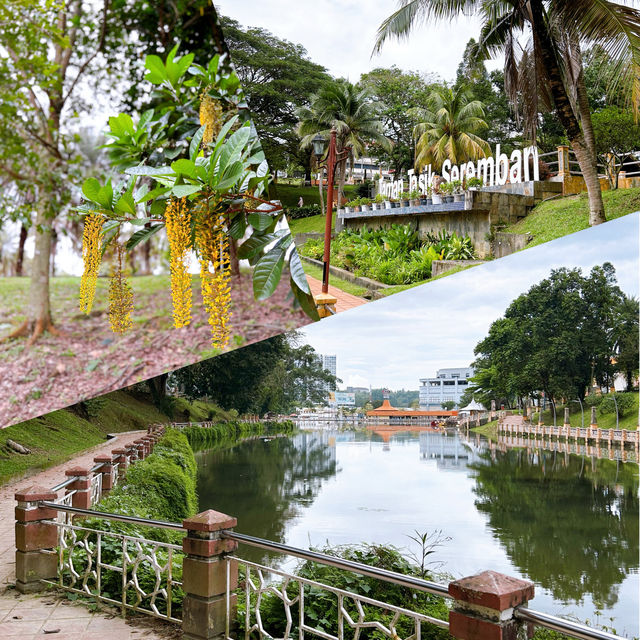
[[211, 116], [92, 257], [120, 295], [178, 224], [215, 275]]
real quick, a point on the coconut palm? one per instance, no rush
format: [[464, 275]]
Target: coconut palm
[[449, 129], [549, 66], [342, 105]]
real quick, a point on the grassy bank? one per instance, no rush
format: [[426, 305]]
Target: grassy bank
[[312, 224], [562, 216], [60, 435], [225, 434], [343, 285], [489, 430], [289, 194]]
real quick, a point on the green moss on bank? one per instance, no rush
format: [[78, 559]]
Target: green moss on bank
[[489, 430], [58, 436]]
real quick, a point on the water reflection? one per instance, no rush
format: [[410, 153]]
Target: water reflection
[[566, 522]]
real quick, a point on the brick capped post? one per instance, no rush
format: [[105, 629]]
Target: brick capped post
[[32, 537], [141, 448], [107, 472], [567, 419], [82, 487], [121, 458], [483, 608], [204, 576]]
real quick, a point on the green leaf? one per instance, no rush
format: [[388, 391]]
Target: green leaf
[[183, 190], [184, 167], [157, 72], [260, 221], [297, 272], [238, 226], [104, 197], [267, 272], [305, 300], [153, 194], [90, 189], [126, 204], [143, 235], [255, 244], [194, 146]]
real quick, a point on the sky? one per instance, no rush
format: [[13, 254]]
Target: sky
[[398, 340], [340, 34]]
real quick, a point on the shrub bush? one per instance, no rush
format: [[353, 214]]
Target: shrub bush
[[306, 211], [624, 401], [396, 255]]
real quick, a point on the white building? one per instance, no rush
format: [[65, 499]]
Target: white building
[[329, 364], [447, 386]]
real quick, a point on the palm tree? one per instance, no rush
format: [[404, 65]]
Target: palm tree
[[342, 105], [548, 67], [449, 129]]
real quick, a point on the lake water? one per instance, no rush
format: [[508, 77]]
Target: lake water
[[569, 524]]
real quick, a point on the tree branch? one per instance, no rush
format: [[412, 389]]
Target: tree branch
[[103, 32]]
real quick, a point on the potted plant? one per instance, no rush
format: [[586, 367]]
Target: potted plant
[[404, 199], [388, 204], [414, 198], [377, 202], [365, 203], [473, 184], [458, 191], [353, 205], [429, 195], [437, 193], [447, 190]]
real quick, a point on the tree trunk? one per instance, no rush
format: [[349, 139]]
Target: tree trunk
[[20, 256], [566, 114], [234, 263], [54, 247]]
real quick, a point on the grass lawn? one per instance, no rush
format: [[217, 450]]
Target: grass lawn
[[343, 285], [312, 224], [489, 430], [289, 194], [560, 217], [605, 420], [58, 436]]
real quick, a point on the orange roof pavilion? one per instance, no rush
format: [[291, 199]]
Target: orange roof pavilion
[[387, 411]]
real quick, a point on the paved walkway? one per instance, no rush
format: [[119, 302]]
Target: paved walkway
[[346, 300], [33, 616]]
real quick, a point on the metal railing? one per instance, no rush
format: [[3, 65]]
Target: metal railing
[[98, 563], [82, 565]]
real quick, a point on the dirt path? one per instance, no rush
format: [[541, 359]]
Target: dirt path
[[32, 616]]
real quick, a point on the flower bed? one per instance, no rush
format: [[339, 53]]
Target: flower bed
[[397, 255]]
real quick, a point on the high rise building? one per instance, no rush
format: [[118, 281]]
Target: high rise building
[[447, 386], [329, 364]]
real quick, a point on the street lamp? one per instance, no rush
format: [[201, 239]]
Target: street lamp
[[333, 157], [581, 409]]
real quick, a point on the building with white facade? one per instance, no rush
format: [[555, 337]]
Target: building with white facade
[[329, 364], [447, 386]]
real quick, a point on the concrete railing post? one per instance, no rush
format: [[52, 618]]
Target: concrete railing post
[[82, 487], [204, 576], [484, 604], [33, 535], [107, 472]]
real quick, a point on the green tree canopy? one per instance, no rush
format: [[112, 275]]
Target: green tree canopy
[[555, 338], [273, 375]]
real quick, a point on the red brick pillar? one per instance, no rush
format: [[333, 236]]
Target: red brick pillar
[[121, 458], [132, 452], [81, 486], [483, 608], [204, 576], [107, 472], [32, 537], [141, 448]]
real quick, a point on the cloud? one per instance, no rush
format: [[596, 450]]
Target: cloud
[[340, 34], [398, 340]]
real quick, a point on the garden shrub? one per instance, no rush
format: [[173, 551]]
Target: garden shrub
[[396, 255], [305, 211], [624, 401], [321, 606]]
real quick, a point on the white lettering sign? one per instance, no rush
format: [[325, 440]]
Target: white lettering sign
[[494, 170]]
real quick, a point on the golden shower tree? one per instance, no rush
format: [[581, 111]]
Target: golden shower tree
[[193, 167]]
